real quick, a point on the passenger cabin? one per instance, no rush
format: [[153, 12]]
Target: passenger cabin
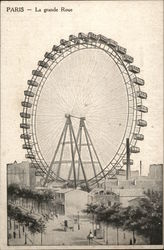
[[25, 136], [43, 64], [102, 39], [124, 161], [65, 43], [32, 83], [134, 69], [127, 58], [92, 36], [138, 81], [35, 165], [27, 146], [30, 156], [28, 93], [112, 43], [49, 56], [142, 108], [142, 95], [83, 36], [37, 73], [25, 125], [74, 39], [26, 104], [105, 40], [25, 115], [141, 123], [57, 49], [121, 50], [134, 149], [139, 137]]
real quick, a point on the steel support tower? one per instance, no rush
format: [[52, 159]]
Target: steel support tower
[[77, 163]]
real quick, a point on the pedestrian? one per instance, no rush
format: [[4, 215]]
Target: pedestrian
[[130, 241], [134, 241], [90, 237], [25, 239], [65, 225], [14, 234]]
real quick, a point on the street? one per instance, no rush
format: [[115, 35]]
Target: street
[[57, 234]]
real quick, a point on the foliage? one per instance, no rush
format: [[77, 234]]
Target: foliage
[[90, 208], [38, 226], [150, 221], [16, 191], [145, 218], [34, 225]]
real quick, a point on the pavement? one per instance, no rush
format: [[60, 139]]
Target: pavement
[[74, 235]]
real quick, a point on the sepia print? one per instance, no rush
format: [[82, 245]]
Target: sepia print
[[82, 107]]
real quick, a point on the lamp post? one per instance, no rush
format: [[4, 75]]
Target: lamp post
[[41, 238], [117, 237], [25, 239], [78, 220], [93, 218]]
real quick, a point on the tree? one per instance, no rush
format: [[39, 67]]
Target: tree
[[108, 215], [45, 196], [153, 214], [114, 218], [132, 219], [90, 208], [34, 225], [146, 217]]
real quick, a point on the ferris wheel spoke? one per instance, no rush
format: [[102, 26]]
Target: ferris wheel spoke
[[51, 136], [103, 135]]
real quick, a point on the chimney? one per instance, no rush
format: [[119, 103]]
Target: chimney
[[127, 159]]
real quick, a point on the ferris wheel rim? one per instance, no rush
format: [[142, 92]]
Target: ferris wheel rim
[[27, 98], [51, 71]]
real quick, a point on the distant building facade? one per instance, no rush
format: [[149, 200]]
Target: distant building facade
[[156, 171], [70, 201], [21, 173], [99, 196], [128, 194], [154, 180], [132, 189]]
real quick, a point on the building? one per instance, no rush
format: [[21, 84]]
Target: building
[[156, 171], [129, 190], [21, 173], [154, 180], [70, 201], [127, 194], [99, 196], [112, 184], [117, 195], [122, 174]]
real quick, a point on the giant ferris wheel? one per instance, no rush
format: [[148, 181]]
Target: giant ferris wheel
[[82, 104]]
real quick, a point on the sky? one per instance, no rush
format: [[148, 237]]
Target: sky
[[27, 35]]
